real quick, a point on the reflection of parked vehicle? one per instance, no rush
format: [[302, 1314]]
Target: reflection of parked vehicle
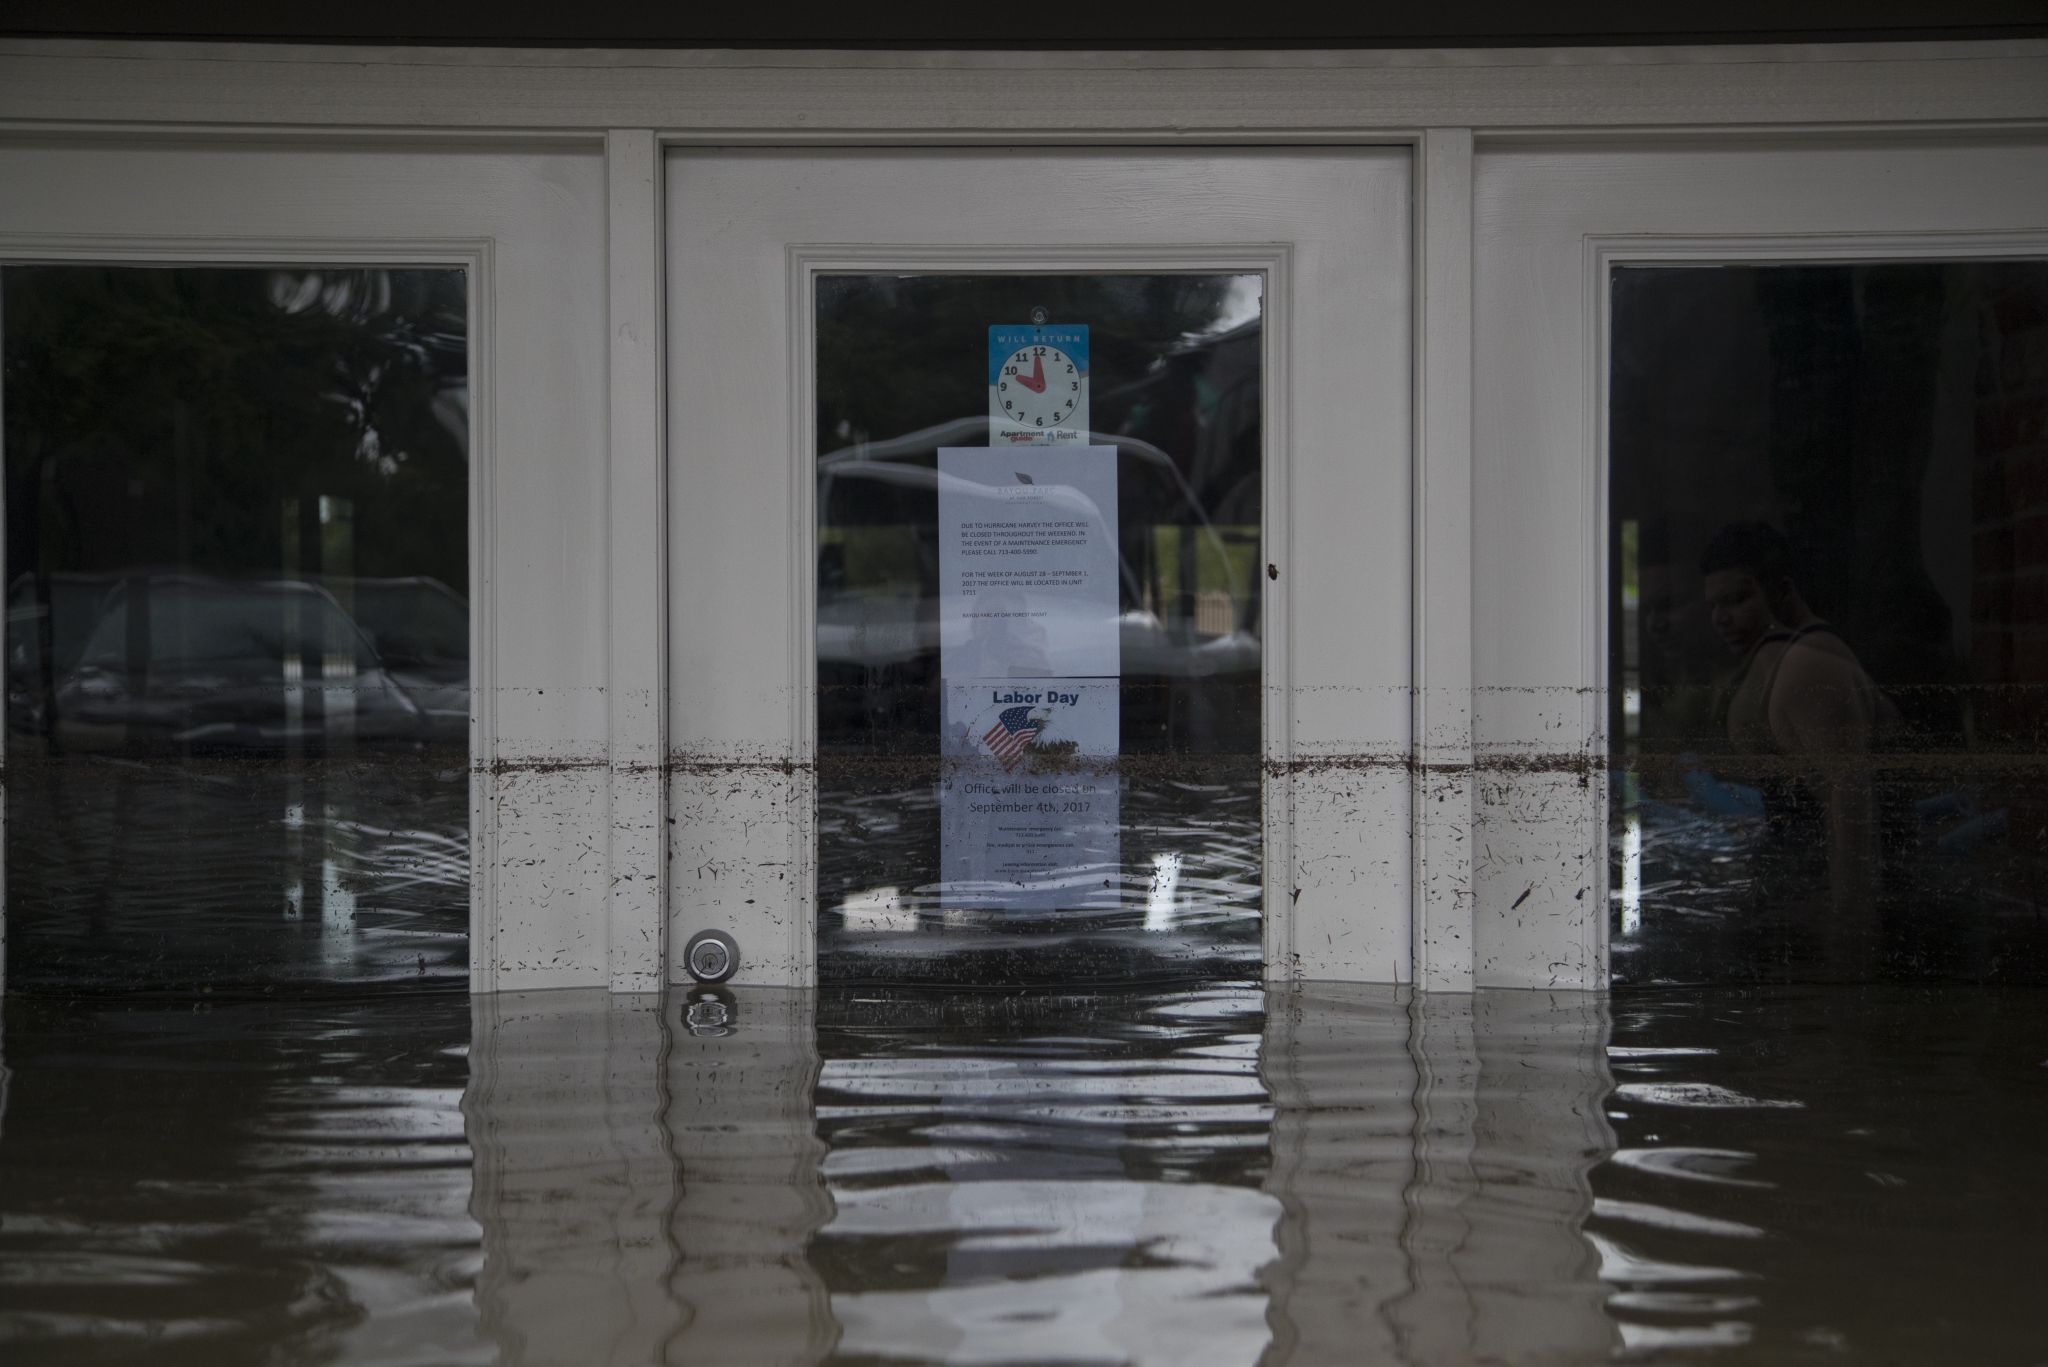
[[419, 628], [187, 661], [63, 607], [878, 631]]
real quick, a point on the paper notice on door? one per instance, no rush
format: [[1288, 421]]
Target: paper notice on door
[[1030, 654], [1030, 801], [1028, 565]]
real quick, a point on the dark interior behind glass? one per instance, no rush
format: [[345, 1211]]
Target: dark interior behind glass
[[237, 627], [1828, 640]]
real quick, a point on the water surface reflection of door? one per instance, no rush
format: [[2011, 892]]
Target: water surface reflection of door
[[1038, 562]]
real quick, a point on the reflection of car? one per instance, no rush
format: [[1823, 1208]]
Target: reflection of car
[[877, 622], [186, 661], [66, 607], [419, 628]]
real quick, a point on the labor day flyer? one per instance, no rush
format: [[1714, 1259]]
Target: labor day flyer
[[1029, 798]]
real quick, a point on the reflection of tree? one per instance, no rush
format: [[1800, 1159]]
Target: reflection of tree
[[170, 416]]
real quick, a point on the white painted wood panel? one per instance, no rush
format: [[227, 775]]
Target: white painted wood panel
[[1548, 220], [635, 560], [1443, 563], [1332, 229], [1075, 95], [529, 223]]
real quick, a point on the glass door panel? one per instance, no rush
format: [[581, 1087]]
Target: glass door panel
[[238, 663], [1828, 530], [1038, 626]]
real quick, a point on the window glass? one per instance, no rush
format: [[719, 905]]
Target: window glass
[[1038, 642], [1829, 633], [237, 626]]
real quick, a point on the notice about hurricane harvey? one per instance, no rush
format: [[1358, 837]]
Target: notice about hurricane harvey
[[1028, 562]]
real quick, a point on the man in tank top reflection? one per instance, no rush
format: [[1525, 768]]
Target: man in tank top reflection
[[1802, 705]]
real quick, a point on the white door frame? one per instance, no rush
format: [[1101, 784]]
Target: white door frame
[[1452, 108]]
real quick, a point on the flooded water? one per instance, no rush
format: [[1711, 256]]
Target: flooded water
[[1186, 903], [1216, 1175], [186, 875], [1713, 902]]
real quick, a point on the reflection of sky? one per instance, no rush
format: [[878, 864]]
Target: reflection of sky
[[1241, 304]]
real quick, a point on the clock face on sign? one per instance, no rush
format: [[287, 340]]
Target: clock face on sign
[[1039, 387]]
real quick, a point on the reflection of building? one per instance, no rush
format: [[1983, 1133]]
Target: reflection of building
[[574, 1178], [1431, 1155], [1145, 1179], [646, 1191], [1061, 1179], [742, 1120]]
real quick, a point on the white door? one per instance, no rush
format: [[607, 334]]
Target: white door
[[1554, 224], [1246, 802]]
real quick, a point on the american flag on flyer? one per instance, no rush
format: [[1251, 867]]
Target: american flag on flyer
[[1013, 731]]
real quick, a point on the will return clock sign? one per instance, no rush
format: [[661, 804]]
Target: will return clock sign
[[1037, 384]]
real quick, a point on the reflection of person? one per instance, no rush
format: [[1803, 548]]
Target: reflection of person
[[1801, 693]]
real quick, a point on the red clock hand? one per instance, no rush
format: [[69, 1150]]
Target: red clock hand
[[1035, 382]]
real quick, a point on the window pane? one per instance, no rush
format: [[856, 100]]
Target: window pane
[[1038, 625], [1829, 633], [237, 626]]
